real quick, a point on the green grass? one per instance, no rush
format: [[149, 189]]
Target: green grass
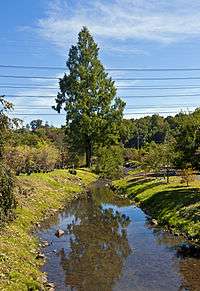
[[171, 204], [37, 195]]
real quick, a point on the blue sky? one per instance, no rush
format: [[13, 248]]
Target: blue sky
[[131, 34]]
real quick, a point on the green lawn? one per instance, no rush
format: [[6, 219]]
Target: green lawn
[[37, 195], [171, 204]]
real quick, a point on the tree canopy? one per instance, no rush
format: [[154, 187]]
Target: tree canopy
[[93, 112]]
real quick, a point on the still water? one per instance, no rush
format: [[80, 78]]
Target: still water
[[109, 244]]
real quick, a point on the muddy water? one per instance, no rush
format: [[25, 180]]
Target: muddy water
[[109, 244]]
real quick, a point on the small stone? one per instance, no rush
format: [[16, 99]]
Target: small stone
[[59, 233], [50, 285], [154, 221], [44, 279], [38, 224], [40, 256], [45, 244]]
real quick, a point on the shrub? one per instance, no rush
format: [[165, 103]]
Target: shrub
[[25, 159], [7, 198]]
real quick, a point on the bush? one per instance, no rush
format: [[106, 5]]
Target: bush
[[110, 162], [25, 159], [7, 198]]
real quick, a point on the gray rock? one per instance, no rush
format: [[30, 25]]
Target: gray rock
[[154, 221], [59, 233], [40, 256]]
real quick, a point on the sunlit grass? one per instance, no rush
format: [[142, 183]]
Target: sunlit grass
[[173, 204], [19, 269]]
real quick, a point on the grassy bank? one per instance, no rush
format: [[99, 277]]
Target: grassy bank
[[38, 195], [171, 204]]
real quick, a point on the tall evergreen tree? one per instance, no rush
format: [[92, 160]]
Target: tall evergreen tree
[[93, 112]]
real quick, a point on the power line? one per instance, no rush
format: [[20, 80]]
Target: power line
[[28, 77], [124, 97], [127, 107], [31, 96], [32, 67], [27, 87], [164, 96], [156, 79], [118, 87], [107, 69], [116, 79], [62, 114], [155, 88]]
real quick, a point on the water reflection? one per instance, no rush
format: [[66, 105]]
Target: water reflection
[[95, 254], [98, 247]]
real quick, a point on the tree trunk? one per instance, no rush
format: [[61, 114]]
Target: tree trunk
[[88, 152], [167, 176]]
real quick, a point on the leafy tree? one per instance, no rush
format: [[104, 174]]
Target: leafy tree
[[110, 162], [187, 175], [35, 124], [160, 157], [93, 113]]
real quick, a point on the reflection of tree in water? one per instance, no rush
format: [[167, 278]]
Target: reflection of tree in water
[[99, 247]]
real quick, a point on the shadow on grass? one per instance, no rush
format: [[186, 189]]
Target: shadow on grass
[[144, 188], [172, 200], [132, 183]]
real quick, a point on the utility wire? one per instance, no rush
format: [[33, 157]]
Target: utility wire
[[28, 77], [116, 79], [62, 114], [107, 69], [123, 97], [28, 87], [127, 107], [118, 87]]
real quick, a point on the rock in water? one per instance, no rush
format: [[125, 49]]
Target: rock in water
[[154, 221], [40, 256], [59, 233]]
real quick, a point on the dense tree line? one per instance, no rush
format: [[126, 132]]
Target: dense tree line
[[179, 136]]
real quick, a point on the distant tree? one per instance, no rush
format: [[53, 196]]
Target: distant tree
[[35, 124], [187, 175], [160, 157], [93, 113]]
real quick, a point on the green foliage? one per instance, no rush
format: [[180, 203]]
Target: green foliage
[[159, 156], [109, 162], [187, 175], [4, 123], [94, 114], [25, 159], [7, 198], [181, 131]]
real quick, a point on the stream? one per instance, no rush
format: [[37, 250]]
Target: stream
[[110, 244]]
